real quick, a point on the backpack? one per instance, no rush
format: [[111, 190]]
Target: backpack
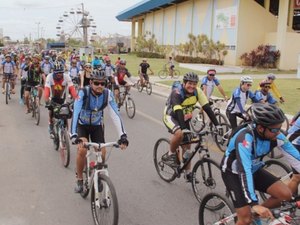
[[86, 98]]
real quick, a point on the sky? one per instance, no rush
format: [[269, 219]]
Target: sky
[[24, 18]]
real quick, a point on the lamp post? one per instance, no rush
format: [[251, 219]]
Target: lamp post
[[38, 30]]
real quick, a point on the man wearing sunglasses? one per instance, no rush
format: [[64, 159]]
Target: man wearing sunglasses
[[242, 165], [87, 121], [263, 93], [209, 82]]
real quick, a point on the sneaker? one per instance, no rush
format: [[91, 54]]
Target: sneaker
[[189, 178], [79, 186], [170, 160]]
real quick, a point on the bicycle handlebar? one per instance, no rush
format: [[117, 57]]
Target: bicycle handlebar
[[101, 145]]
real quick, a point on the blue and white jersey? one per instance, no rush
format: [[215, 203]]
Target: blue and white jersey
[[294, 132], [90, 113], [47, 67], [74, 72], [210, 85], [238, 100], [266, 97], [109, 70], [8, 67], [23, 73], [243, 156]]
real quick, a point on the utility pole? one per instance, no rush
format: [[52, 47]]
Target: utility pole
[[38, 30], [85, 25]]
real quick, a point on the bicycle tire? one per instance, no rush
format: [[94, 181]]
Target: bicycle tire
[[282, 173], [139, 86], [65, 149], [222, 139], [149, 88], [221, 118], [130, 107], [7, 93], [56, 138], [86, 188], [176, 74], [163, 74], [106, 205], [222, 203], [164, 171], [208, 175], [37, 114], [286, 124]]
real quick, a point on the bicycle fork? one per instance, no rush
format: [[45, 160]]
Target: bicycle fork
[[101, 189]]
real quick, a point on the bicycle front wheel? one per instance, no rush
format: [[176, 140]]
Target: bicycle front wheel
[[279, 170], [197, 123], [176, 74], [161, 148], [139, 86], [222, 212], [7, 94], [130, 107], [206, 177], [163, 74], [149, 88], [37, 114], [65, 149], [104, 202]]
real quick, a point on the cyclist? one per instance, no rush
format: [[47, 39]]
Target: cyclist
[[209, 82], [85, 75], [87, 122], [242, 166], [56, 87], [109, 70], [236, 105], [171, 66], [23, 77], [74, 72], [263, 93], [34, 78], [96, 63], [177, 114], [271, 78], [47, 66], [8, 69], [121, 72], [144, 66]]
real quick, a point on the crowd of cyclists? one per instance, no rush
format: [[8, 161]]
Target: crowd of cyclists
[[93, 85]]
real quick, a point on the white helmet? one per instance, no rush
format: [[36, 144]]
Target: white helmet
[[246, 79]]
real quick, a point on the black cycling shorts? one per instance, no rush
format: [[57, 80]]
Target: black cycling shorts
[[262, 181], [91, 133]]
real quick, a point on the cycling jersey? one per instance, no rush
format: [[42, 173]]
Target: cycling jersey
[[120, 74], [243, 157], [23, 72], [266, 97], [74, 72], [47, 67], [8, 67], [294, 132], [90, 113], [210, 84], [109, 70], [144, 66], [34, 74]]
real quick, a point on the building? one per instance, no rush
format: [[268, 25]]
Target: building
[[242, 25]]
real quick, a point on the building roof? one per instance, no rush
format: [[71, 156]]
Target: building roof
[[145, 7]]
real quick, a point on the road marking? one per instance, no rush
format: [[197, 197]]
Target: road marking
[[159, 122]]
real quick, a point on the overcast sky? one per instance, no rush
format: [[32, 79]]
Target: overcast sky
[[19, 18]]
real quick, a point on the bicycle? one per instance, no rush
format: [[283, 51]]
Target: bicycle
[[216, 209], [124, 96], [147, 85], [206, 174], [60, 130], [34, 104], [96, 178], [7, 86], [166, 72]]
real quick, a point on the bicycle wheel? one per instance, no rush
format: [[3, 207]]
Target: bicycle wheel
[[222, 213], [149, 88], [130, 107], [56, 138], [222, 137], [161, 148], [176, 74], [7, 92], [278, 169], [206, 178], [86, 188], [37, 114], [104, 202], [139, 86], [65, 149], [221, 118], [286, 124], [197, 122], [163, 74]]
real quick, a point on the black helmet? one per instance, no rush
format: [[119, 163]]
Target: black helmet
[[267, 114], [98, 75], [58, 67], [191, 76]]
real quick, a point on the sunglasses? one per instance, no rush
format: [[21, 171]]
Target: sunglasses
[[97, 83], [274, 130], [267, 87], [211, 75], [122, 64]]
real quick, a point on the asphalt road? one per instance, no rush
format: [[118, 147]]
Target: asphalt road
[[36, 189]]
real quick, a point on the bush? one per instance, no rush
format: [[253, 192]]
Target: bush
[[263, 57], [189, 59], [150, 55]]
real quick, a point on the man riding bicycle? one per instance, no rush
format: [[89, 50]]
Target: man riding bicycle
[[8, 70], [87, 121], [263, 94], [144, 66], [56, 87], [242, 166], [178, 113]]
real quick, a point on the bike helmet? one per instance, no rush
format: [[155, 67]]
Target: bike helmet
[[98, 75], [7, 55], [58, 67], [190, 76], [267, 114], [271, 76], [211, 71], [264, 82], [47, 57], [123, 61], [246, 79]]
